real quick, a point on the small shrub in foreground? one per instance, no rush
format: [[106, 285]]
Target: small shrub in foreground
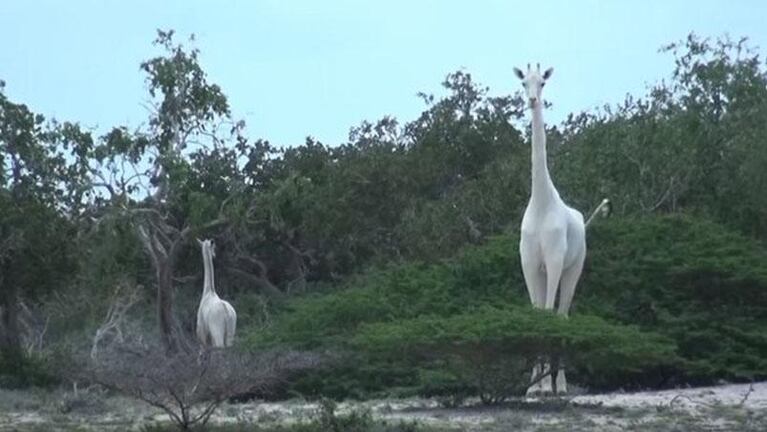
[[189, 386]]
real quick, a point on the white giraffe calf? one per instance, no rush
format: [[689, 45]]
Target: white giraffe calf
[[216, 318]]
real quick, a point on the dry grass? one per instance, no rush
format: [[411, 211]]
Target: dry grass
[[39, 410]]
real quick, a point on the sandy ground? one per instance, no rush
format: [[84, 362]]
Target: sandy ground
[[741, 407]]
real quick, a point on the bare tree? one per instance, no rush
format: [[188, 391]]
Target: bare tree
[[189, 386], [9, 322], [33, 326], [123, 298]]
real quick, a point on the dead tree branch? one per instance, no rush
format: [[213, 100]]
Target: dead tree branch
[[123, 298], [189, 386]]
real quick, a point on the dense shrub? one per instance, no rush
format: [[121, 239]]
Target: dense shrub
[[21, 371], [693, 280], [491, 350], [477, 276], [680, 280]]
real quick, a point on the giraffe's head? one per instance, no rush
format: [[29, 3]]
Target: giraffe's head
[[533, 82], [208, 245]]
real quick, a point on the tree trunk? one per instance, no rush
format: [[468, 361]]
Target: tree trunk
[[166, 318], [163, 261], [10, 342]]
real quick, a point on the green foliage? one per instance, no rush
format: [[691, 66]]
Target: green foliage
[[492, 349], [521, 331], [109, 256], [395, 239], [681, 284], [361, 203], [390, 294], [692, 143], [186, 100], [693, 280], [469, 213], [22, 371], [406, 291], [40, 192]]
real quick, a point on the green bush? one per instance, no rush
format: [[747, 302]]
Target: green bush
[[491, 350], [21, 371], [329, 321], [674, 280], [486, 275], [692, 280]]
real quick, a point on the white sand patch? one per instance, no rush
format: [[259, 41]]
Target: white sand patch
[[726, 407], [751, 396]]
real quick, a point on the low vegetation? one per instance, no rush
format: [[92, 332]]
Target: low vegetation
[[661, 314]]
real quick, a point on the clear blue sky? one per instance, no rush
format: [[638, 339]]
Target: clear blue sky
[[309, 67]]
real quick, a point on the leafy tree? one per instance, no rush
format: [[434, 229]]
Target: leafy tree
[[187, 110], [694, 143], [42, 192]]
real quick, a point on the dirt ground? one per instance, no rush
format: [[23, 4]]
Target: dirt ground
[[740, 407]]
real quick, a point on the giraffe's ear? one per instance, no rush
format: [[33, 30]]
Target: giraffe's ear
[[519, 73], [199, 242], [548, 73]]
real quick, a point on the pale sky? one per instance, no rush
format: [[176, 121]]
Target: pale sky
[[307, 67]]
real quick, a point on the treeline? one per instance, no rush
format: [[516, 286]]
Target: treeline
[[82, 214]]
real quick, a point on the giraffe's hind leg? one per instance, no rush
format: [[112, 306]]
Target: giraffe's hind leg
[[533, 271], [567, 285]]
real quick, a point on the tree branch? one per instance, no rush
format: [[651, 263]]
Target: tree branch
[[266, 285], [664, 196], [148, 246]]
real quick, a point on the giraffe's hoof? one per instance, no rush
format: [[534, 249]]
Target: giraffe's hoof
[[539, 392]]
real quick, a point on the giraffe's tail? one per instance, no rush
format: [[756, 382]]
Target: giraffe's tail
[[605, 204]]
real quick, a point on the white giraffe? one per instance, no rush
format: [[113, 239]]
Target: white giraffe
[[216, 318], [552, 243]]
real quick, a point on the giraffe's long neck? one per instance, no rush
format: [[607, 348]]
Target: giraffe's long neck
[[542, 190], [209, 286]]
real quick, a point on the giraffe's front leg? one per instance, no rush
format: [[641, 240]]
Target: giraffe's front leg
[[554, 249], [541, 385], [561, 380]]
